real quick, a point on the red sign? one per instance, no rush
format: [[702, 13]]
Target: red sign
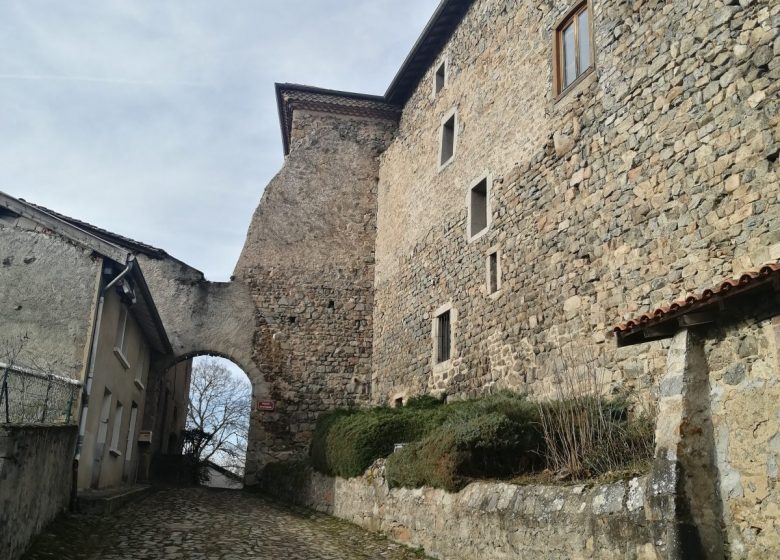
[[266, 406]]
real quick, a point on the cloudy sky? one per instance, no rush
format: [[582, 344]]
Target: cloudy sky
[[156, 119]]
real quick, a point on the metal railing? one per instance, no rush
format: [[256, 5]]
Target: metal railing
[[31, 397]]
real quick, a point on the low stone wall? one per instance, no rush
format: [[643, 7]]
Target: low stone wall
[[35, 481], [487, 520]]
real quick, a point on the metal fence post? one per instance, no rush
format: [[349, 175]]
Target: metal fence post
[[46, 401]]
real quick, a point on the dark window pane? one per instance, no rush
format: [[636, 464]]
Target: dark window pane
[[479, 208], [493, 272], [583, 32], [443, 338], [448, 140]]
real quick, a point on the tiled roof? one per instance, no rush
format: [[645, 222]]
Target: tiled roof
[[647, 326], [115, 238], [294, 96]]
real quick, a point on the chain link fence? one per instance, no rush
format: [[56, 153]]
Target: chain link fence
[[31, 397]]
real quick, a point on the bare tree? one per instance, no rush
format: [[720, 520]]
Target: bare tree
[[218, 415]]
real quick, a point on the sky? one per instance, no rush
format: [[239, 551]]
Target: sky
[[157, 119]]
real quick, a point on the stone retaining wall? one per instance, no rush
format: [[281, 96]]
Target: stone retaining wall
[[35, 481], [486, 520]]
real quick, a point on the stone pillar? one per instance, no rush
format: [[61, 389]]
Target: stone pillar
[[684, 507]]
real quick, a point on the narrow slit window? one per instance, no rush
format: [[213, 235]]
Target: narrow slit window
[[574, 49], [493, 272], [447, 140], [478, 208], [443, 337], [440, 78]]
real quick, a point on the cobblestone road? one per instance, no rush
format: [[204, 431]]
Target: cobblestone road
[[203, 524]]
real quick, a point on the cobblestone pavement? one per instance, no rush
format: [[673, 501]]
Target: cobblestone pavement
[[203, 524]]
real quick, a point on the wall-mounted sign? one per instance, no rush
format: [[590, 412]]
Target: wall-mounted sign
[[266, 406]]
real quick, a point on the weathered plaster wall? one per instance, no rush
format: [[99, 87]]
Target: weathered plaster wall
[[656, 176], [35, 266], [308, 263], [486, 519], [35, 481]]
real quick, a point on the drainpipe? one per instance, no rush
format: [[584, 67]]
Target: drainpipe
[[90, 376]]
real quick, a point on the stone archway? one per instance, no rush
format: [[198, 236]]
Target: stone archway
[[257, 452]]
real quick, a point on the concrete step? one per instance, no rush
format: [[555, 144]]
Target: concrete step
[[108, 500]]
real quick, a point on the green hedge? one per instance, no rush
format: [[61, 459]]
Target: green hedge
[[497, 436]]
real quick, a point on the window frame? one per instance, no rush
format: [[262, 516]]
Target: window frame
[[559, 64], [435, 332], [488, 180], [116, 429], [442, 65], [488, 272], [120, 343], [452, 114]]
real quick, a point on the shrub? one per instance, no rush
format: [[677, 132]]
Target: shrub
[[453, 454], [347, 442], [492, 437]]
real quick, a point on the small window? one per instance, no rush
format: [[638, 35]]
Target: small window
[[478, 208], [440, 78], [493, 273], [443, 337], [117, 429], [447, 140], [574, 52]]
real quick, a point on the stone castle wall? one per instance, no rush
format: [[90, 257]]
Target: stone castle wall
[[743, 367], [656, 176], [308, 263]]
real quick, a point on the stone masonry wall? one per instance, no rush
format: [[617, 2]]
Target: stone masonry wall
[[744, 372], [35, 481], [308, 262], [656, 176], [486, 519]]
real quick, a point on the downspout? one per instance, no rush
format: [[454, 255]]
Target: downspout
[[88, 382]]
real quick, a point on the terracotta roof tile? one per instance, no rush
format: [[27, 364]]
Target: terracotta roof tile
[[730, 286]]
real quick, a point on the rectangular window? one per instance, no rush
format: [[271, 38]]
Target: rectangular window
[[114, 449], [131, 432], [493, 272], [443, 337], [573, 47], [120, 346], [440, 78], [447, 140], [105, 413], [478, 208]]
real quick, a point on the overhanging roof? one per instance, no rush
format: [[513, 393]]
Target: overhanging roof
[[103, 244], [426, 49], [437, 32], [290, 97], [699, 309]]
